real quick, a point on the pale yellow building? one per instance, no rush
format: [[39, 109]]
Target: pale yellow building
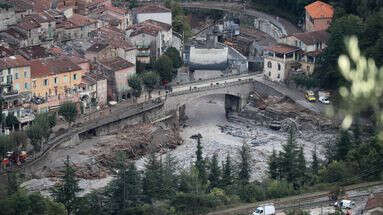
[[55, 78]]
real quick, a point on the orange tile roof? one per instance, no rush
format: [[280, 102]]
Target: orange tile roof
[[318, 10], [52, 66], [13, 62]]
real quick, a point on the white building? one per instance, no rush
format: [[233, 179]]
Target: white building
[[7, 15], [154, 12], [278, 60]]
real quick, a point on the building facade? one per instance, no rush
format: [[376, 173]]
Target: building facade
[[318, 16], [153, 12]]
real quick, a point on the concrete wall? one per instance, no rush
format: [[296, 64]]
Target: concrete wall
[[160, 17], [272, 28], [203, 58], [121, 79]]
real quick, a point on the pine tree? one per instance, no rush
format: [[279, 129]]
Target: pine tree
[[342, 146], [273, 165], [13, 182], [301, 167], [65, 192], [227, 172], [126, 189], [215, 172], [314, 162], [289, 157], [152, 180], [200, 163], [244, 166], [170, 178]]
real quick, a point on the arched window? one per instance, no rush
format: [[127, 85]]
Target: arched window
[[279, 67], [269, 64], [279, 76]]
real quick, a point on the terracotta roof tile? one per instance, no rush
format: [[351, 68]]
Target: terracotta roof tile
[[78, 20], [116, 64], [282, 48], [13, 62], [318, 10], [153, 9], [28, 23], [34, 52], [311, 38], [52, 66], [97, 47]]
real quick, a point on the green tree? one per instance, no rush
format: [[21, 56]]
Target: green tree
[[5, 145], [21, 203], [164, 67], [314, 162], [200, 162], [327, 73], [227, 172], [343, 145], [152, 180], [288, 158], [68, 110], [170, 178], [126, 190], [19, 138], [35, 134], [133, 4], [273, 165], [135, 83], [150, 80], [301, 167], [244, 165], [66, 191], [336, 171], [175, 56], [14, 182], [11, 121], [215, 173]]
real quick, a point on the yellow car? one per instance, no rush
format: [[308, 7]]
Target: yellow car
[[310, 96]]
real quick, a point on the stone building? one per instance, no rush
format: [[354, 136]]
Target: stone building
[[151, 35], [278, 60], [118, 71], [318, 16], [311, 43], [75, 27]]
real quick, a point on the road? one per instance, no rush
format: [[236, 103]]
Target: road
[[235, 7]]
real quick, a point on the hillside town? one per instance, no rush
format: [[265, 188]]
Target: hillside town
[[191, 107]]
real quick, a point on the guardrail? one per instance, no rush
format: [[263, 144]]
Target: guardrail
[[215, 78], [212, 86]]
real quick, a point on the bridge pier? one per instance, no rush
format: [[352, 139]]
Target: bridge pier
[[234, 103]]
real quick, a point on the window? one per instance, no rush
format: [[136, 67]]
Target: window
[[26, 86], [279, 67], [279, 76], [74, 76], [45, 82], [269, 74], [34, 84], [16, 76], [296, 42], [55, 80], [65, 79], [25, 74], [308, 68], [269, 64], [17, 86]]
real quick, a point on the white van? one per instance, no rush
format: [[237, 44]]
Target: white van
[[345, 204], [268, 209]]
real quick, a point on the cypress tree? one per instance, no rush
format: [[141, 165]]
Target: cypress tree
[[244, 166], [273, 165], [314, 162], [65, 193], [288, 157], [200, 163], [227, 172], [343, 145], [301, 167], [170, 179], [215, 172], [152, 180]]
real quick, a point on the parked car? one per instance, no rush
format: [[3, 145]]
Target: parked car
[[310, 96], [344, 204], [324, 97], [267, 209]]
